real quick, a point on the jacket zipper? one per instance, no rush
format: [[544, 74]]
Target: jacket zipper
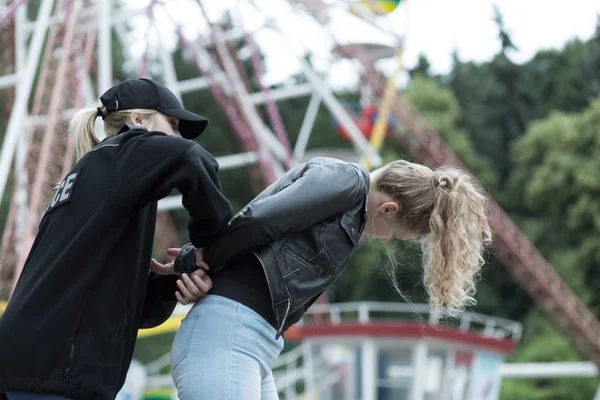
[[279, 323], [116, 338], [124, 364], [75, 342], [72, 352]]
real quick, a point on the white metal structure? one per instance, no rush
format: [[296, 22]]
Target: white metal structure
[[76, 64]]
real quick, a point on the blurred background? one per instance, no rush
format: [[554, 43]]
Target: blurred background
[[508, 90]]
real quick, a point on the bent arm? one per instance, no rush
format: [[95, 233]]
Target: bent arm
[[316, 192], [209, 209], [162, 164]]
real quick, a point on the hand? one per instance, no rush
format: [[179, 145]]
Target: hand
[[193, 287], [165, 269]]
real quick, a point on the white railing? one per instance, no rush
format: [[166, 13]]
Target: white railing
[[370, 311], [289, 369]]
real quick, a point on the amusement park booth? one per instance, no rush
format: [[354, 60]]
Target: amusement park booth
[[399, 351]]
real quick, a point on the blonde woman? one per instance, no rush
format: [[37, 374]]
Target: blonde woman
[[70, 327], [291, 242]]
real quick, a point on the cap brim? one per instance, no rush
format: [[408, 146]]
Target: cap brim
[[190, 125]]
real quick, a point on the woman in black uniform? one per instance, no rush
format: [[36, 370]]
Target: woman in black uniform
[[70, 327]]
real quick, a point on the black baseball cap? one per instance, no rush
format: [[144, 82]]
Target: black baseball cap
[[148, 94]]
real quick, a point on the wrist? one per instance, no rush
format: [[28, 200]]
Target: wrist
[[185, 262]]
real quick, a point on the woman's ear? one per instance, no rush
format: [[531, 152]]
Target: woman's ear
[[389, 207], [136, 119]]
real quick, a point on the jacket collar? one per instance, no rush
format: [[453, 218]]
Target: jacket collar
[[127, 128], [367, 179]]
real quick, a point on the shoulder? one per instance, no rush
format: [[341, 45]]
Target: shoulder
[[156, 144], [335, 167], [160, 139], [340, 177], [352, 179]]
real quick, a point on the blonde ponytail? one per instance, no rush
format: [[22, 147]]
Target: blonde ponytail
[[446, 209], [459, 232], [82, 127]]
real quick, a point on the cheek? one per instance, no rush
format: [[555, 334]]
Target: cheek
[[385, 226], [164, 127], [383, 229]]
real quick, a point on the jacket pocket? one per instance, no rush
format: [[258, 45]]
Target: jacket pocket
[[74, 344], [116, 338], [300, 261]]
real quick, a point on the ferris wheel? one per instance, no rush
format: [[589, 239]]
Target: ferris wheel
[[61, 59]]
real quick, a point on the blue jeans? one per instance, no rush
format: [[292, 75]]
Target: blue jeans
[[224, 350], [33, 396]]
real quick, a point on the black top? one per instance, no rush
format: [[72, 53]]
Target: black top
[[85, 290], [244, 281]]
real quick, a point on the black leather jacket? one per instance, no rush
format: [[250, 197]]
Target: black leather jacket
[[303, 228]]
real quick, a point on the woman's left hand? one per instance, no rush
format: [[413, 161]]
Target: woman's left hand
[[165, 269], [193, 287]]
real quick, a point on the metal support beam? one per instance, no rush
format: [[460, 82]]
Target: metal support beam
[[19, 111], [419, 370], [307, 125], [369, 369], [332, 103], [7, 81], [104, 46], [549, 370]]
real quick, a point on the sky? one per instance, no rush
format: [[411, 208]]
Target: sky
[[434, 28]]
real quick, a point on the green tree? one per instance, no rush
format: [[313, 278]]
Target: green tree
[[499, 98], [496, 101], [565, 79], [556, 164], [442, 110]]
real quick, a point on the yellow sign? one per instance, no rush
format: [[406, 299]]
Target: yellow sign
[[170, 325]]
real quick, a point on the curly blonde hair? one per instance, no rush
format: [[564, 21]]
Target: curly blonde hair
[[446, 208]]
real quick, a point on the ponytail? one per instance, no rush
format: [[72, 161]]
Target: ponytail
[[82, 127], [459, 232], [446, 209]]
